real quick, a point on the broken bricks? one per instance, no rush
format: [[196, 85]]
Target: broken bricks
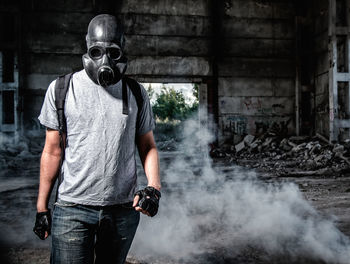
[[301, 153]]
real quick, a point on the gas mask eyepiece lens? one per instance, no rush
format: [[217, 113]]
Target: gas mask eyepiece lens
[[95, 53], [114, 53]]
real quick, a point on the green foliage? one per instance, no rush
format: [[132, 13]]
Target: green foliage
[[171, 105]]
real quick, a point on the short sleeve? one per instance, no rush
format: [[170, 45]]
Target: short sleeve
[[146, 121], [48, 113]]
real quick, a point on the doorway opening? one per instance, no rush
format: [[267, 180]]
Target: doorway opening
[[172, 104]]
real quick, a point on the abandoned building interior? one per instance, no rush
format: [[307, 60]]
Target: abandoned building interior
[[258, 63], [274, 92]]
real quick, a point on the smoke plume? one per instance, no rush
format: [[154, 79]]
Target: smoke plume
[[207, 209]]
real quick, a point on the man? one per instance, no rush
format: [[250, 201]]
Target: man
[[97, 212]]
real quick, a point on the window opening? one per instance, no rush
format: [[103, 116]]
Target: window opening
[[8, 107]]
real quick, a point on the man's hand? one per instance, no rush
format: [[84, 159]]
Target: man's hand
[[146, 201], [137, 207], [42, 227]]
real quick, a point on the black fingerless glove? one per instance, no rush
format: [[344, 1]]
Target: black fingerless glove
[[149, 200], [42, 224]]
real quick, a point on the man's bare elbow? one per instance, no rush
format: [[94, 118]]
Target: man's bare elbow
[[146, 144], [52, 143], [151, 146], [52, 151]]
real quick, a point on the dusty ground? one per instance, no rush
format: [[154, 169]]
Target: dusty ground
[[330, 194], [19, 177]]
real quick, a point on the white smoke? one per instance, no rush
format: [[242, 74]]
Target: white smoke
[[205, 208]]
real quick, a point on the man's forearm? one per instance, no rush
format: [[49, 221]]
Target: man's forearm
[[49, 166], [151, 166]]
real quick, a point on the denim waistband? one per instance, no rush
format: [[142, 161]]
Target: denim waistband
[[66, 203]]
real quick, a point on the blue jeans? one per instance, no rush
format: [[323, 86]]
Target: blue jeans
[[92, 234]]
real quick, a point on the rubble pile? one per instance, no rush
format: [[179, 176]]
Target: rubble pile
[[167, 145], [16, 149], [293, 156]]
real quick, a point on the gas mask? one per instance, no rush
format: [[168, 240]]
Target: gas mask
[[105, 62]]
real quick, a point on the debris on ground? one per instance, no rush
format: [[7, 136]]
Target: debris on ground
[[14, 149], [167, 145], [288, 156]]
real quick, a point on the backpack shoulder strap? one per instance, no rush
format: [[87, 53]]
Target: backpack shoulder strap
[[136, 91], [61, 88]]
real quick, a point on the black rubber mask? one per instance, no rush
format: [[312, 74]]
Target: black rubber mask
[[105, 62]]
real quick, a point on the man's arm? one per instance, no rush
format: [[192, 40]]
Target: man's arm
[[49, 165], [150, 161]]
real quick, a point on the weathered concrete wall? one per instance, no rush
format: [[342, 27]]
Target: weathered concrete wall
[[165, 40], [257, 70], [245, 54], [322, 62]]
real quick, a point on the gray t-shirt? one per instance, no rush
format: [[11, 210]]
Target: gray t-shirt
[[99, 166]]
